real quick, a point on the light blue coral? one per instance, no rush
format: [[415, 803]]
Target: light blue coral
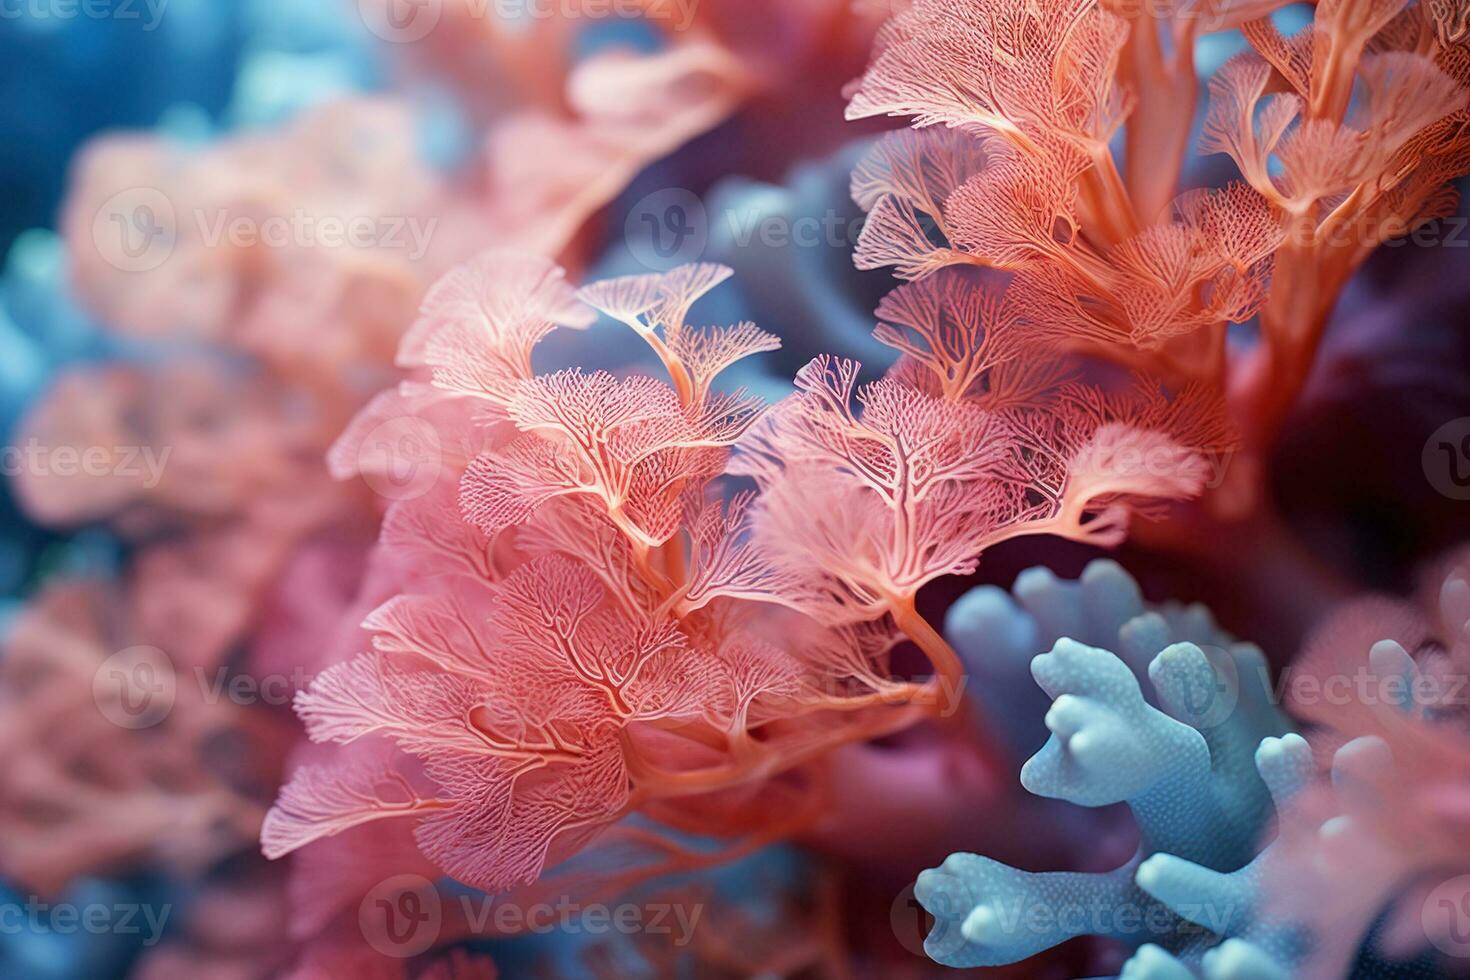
[[1152, 706]]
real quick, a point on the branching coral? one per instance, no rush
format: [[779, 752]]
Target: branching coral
[[1385, 683], [587, 626], [1204, 767], [231, 258], [1199, 763], [213, 466], [1357, 879], [1345, 135], [966, 444]]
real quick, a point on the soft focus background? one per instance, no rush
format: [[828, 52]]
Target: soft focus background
[[185, 69]]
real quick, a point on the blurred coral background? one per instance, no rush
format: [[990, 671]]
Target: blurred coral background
[[280, 466]]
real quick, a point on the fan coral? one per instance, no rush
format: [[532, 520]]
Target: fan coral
[[587, 626], [1345, 135]]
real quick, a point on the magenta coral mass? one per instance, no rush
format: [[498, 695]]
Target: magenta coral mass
[[695, 488]]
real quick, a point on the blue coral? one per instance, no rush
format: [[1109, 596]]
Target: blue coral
[[1152, 706]]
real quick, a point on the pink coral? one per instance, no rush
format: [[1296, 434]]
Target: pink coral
[[113, 753], [585, 626], [1388, 691]]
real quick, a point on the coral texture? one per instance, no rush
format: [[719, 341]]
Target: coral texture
[[587, 625], [1206, 765], [1199, 762], [1345, 135]]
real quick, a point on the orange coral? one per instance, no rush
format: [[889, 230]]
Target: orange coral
[[1345, 135]]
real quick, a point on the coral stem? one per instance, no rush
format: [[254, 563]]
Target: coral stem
[[947, 664], [949, 682]]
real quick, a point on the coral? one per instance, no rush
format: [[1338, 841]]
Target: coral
[[1205, 766], [114, 756], [585, 625], [967, 443], [1384, 682], [1200, 762], [209, 471], [295, 335], [1011, 166], [245, 241], [591, 586]]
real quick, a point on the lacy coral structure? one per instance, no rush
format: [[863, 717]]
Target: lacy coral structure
[[588, 625], [1050, 138], [393, 585]]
